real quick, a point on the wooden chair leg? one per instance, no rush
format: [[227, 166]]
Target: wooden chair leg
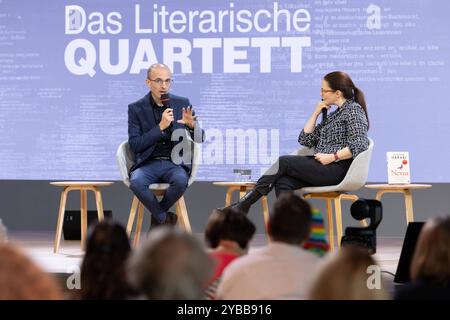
[[409, 206], [134, 206], [265, 208], [228, 197], [59, 224], [180, 221], [242, 191], [183, 215], [99, 203], [140, 218], [83, 193], [330, 224], [338, 213]]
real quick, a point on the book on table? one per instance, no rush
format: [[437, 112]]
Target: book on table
[[398, 166]]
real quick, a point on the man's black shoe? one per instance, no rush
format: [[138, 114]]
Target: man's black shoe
[[171, 219], [153, 223]]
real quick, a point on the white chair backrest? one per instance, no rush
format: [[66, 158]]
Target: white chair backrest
[[303, 151], [125, 160], [358, 172]]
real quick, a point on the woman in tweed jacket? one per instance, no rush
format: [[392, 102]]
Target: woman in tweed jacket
[[337, 140]]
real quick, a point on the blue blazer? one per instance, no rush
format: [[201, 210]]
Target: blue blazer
[[144, 132]]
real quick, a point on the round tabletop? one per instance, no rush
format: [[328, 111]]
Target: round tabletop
[[81, 183], [398, 186], [235, 183]]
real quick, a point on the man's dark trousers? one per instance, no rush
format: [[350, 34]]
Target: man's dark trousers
[[159, 171]]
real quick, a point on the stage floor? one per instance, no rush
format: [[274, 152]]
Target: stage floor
[[39, 246]]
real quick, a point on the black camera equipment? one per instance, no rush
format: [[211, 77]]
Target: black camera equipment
[[364, 236]]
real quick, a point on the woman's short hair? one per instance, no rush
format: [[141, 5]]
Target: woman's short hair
[[431, 260], [229, 224]]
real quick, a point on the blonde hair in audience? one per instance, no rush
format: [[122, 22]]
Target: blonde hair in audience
[[431, 260], [344, 276], [22, 279]]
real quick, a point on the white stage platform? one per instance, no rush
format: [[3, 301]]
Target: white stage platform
[[39, 246]]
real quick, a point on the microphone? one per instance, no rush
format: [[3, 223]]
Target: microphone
[[324, 114], [165, 99]]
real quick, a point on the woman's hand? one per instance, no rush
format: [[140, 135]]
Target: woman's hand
[[324, 158], [320, 105], [311, 123]]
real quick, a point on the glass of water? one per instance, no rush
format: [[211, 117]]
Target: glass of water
[[246, 175]]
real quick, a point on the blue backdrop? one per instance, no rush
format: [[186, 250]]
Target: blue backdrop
[[251, 69]]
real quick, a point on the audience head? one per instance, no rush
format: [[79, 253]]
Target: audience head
[[170, 265], [431, 260], [229, 224], [103, 271], [291, 219], [22, 279], [345, 274]]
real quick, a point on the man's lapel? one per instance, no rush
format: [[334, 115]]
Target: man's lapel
[[147, 113]]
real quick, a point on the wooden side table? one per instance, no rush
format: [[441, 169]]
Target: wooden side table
[[243, 187], [83, 187], [405, 189]]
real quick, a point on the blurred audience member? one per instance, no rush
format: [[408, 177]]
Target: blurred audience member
[[103, 271], [228, 234], [22, 279], [317, 241], [282, 269], [170, 265], [349, 274], [430, 266]]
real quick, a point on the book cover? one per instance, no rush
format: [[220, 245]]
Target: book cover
[[398, 167]]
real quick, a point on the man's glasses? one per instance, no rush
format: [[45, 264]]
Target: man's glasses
[[160, 82]]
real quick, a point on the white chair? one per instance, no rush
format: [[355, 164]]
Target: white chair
[[125, 160], [355, 179]]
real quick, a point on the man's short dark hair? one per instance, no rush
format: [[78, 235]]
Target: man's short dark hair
[[291, 219], [229, 224]]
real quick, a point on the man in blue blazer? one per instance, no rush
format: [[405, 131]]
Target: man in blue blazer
[[155, 128]]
